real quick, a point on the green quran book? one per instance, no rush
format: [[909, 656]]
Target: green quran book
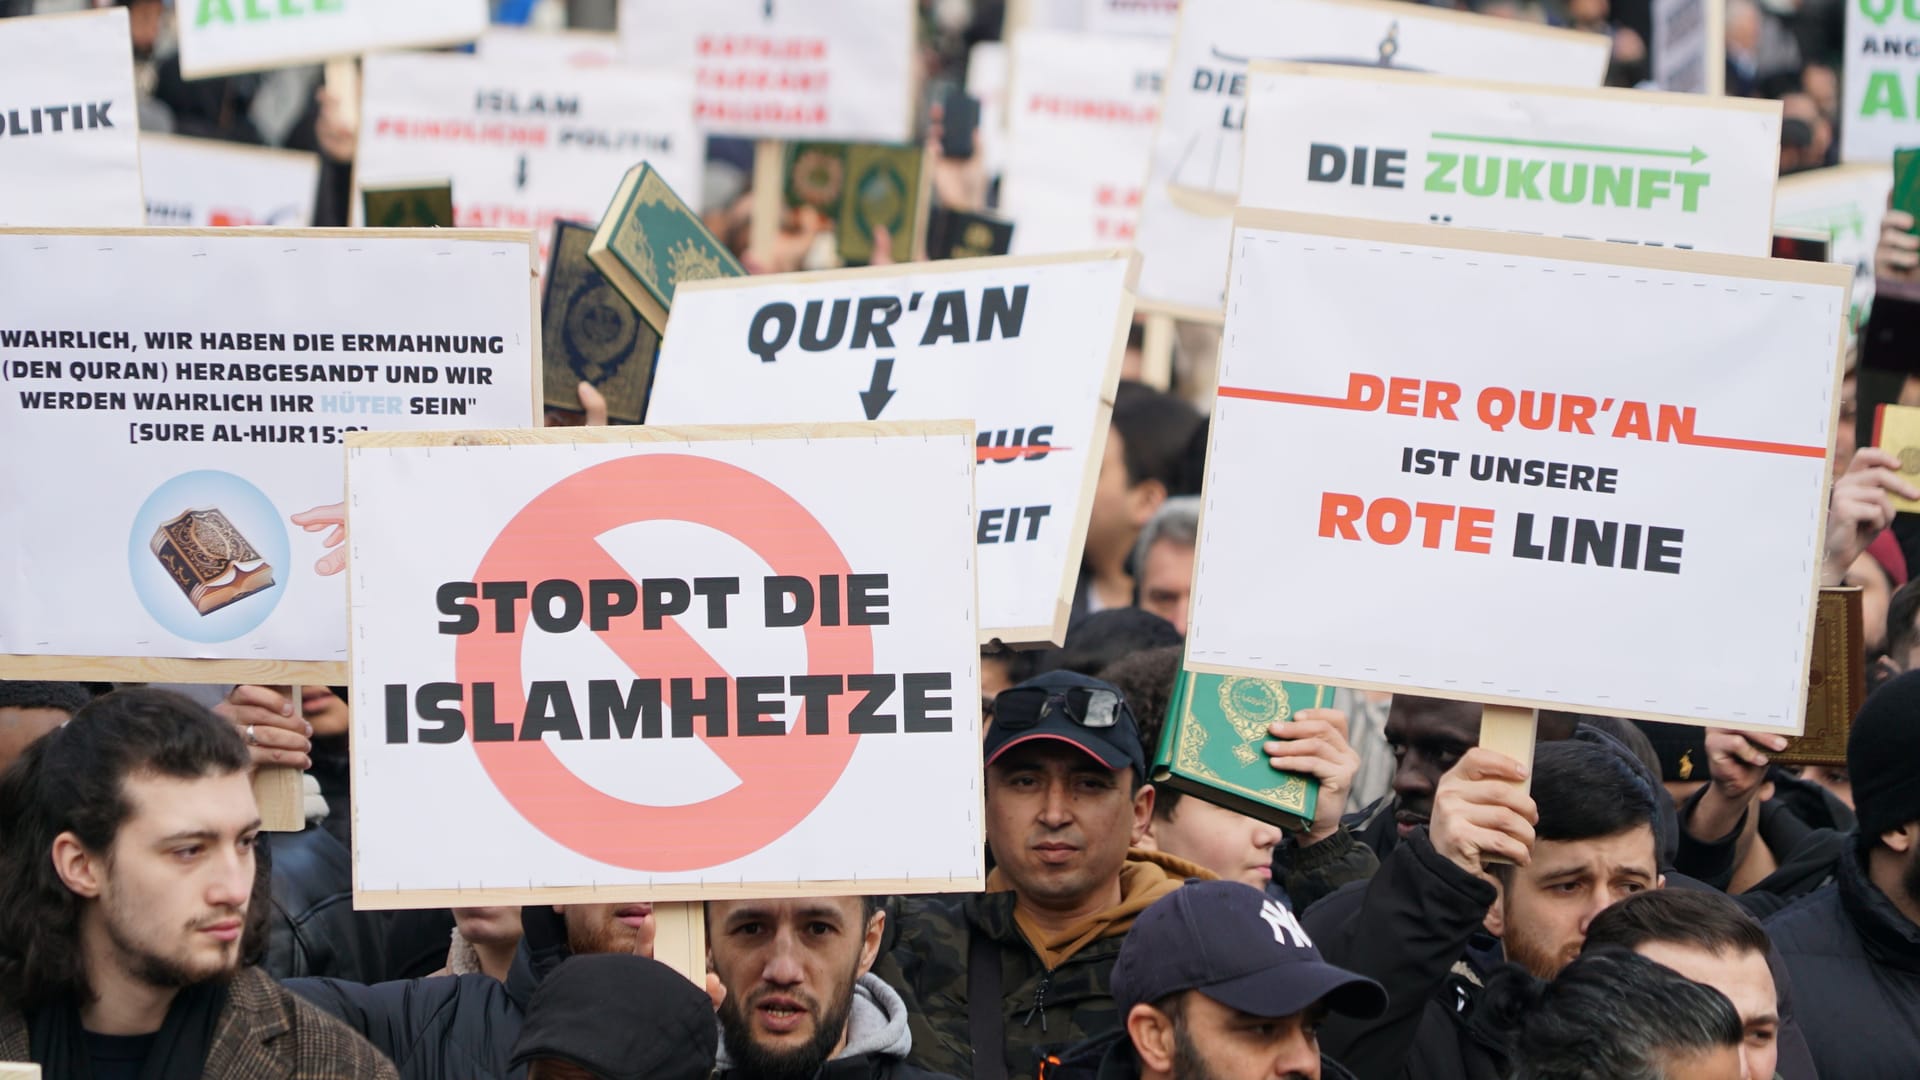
[[589, 333], [650, 241], [861, 187], [1212, 746], [407, 206]]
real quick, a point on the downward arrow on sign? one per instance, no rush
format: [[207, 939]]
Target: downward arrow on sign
[[875, 397]]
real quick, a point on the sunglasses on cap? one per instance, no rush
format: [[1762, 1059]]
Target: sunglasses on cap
[[1024, 707]]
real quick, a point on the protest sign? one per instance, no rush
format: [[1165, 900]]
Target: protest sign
[[548, 48], [1551, 518], [214, 182], [1194, 171], [1634, 166], [1846, 202], [1148, 18], [200, 415], [1027, 347], [224, 37], [783, 69], [69, 121], [1079, 126], [987, 75], [1880, 80], [525, 146], [540, 616], [1689, 47]]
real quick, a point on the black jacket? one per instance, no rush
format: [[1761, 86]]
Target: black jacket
[[432, 1028], [1412, 928], [858, 1067], [312, 929], [1855, 962], [1111, 1057]]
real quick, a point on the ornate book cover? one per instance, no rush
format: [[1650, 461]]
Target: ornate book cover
[[1211, 748], [884, 189], [650, 241], [1837, 683], [208, 558], [412, 206], [590, 333], [962, 234]]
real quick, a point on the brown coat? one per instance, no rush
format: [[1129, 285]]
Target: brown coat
[[265, 1033]]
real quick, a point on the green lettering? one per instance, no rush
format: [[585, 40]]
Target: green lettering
[[329, 5], [213, 11], [289, 7], [1653, 187], [1884, 96], [254, 11], [1481, 175], [1615, 184], [1568, 182], [1520, 179], [1690, 185], [1437, 179]]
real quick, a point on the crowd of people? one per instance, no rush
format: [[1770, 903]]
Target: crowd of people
[[1636, 901]]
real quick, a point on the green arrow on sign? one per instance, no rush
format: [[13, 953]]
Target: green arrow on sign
[[1694, 155]]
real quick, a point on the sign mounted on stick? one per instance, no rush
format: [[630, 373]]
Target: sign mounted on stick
[[1504, 496], [784, 69], [1185, 216], [219, 183], [1080, 123], [1668, 170], [665, 664], [1880, 73], [225, 37], [524, 146], [69, 121], [1689, 50], [1846, 202], [1029, 348], [206, 433]]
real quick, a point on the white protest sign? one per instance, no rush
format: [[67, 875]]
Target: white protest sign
[[524, 145], [785, 69], [1081, 114], [1551, 529], [1689, 49], [221, 37], [69, 121], [549, 48], [658, 663], [1150, 18], [203, 411], [1674, 170], [1846, 202], [201, 182], [1195, 164], [1880, 80], [1029, 348]]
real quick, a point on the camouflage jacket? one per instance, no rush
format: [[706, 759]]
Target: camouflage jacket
[[1043, 1012]]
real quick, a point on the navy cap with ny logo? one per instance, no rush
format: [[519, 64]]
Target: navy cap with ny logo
[[1233, 943]]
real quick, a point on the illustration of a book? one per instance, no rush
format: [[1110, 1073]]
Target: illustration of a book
[[1211, 747], [592, 334], [650, 241], [208, 558]]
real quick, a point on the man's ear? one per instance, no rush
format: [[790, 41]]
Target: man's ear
[[1496, 917], [1142, 813], [1152, 1033], [80, 870], [1144, 499], [870, 948], [1902, 840]]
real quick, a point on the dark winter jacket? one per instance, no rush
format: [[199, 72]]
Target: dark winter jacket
[[877, 1041], [1112, 1057], [1855, 963], [312, 929]]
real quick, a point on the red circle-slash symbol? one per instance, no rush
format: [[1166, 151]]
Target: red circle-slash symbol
[[782, 778]]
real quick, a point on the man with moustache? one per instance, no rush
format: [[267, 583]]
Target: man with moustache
[[126, 882], [800, 1002]]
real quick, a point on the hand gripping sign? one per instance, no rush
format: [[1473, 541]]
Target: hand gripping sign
[[651, 662], [1029, 347], [1568, 458]]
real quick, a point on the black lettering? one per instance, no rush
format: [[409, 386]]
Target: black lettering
[[611, 598], [877, 313], [1326, 163], [867, 600], [661, 597], [508, 591], [1663, 549], [778, 589], [608, 712], [716, 590], [752, 692], [438, 703], [920, 712], [544, 594], [866, 718], [815, 692], [397, 714], [485, 727], [463, 618], [549, 711], [685, 707]]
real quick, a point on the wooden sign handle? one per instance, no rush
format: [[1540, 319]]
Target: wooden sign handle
[[1511, 732], [1156, 352], [279, 789], [769, 199], [680, 939]]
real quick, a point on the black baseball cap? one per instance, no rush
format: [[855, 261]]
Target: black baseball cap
[[1069, 707], [1238, 946], [620, 1017]]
